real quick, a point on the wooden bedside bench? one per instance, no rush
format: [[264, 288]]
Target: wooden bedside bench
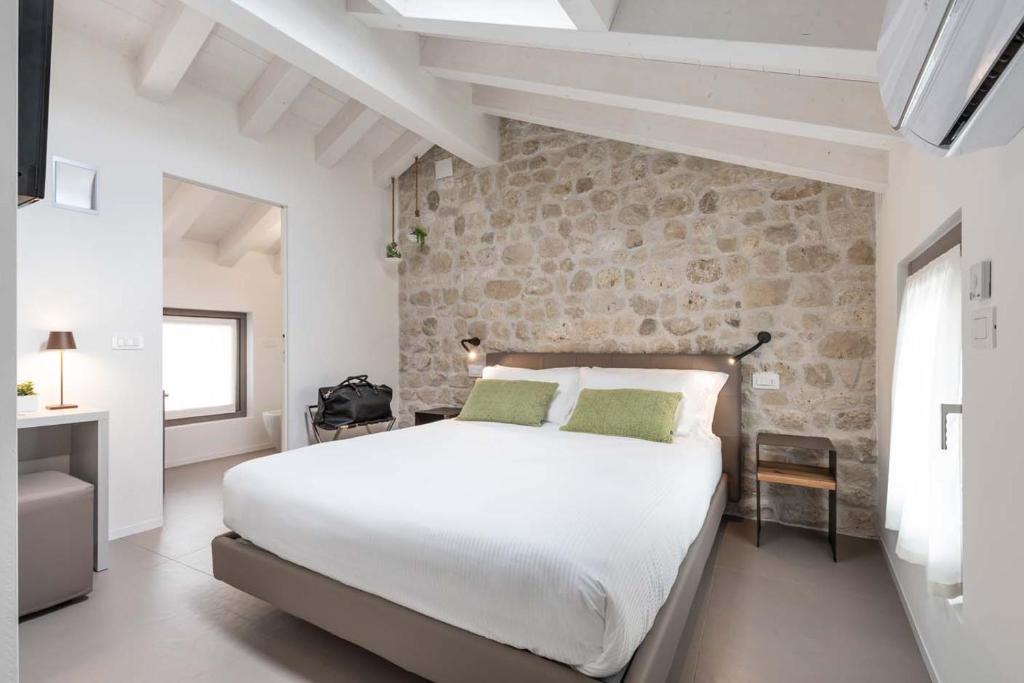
[[792, 474], [428, 415]]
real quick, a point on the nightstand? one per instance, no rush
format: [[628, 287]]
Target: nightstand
[[792, 474], [429, 415]]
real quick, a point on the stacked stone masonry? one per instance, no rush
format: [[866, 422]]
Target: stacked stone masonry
[[576, 243]]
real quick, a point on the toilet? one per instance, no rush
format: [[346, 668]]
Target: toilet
[[272, 423]]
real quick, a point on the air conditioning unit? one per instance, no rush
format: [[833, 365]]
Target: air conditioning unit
[[952, 72]]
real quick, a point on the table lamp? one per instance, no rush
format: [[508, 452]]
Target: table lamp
[[61, 341]]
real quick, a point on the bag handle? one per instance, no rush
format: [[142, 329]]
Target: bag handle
[[354, 381]]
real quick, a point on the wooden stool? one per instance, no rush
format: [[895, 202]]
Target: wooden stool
[[807, 476]]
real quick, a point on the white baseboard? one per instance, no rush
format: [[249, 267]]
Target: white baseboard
[[203, 457], [890, 561], [138, 528]]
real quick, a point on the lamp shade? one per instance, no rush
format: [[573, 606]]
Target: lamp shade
[[60, 341]]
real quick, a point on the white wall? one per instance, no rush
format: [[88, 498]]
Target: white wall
[[194, 279], [981, 642], [8, 305], [100, 275]]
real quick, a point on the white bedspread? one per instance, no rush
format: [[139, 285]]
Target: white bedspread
[[563, 544]]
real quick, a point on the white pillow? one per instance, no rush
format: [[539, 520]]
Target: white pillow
[[568, 380], [699, 389]]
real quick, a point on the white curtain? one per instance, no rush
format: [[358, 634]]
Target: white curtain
[[924, 496]]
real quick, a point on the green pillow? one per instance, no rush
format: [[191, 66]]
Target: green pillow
[[517, 402], [636, 413]]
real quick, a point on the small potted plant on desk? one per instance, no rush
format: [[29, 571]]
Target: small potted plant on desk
[[28, 401]]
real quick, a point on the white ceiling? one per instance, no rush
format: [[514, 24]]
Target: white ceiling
[[227, 65], [786, 85], [223, 213]]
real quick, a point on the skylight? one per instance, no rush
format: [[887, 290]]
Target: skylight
[[538, 13]]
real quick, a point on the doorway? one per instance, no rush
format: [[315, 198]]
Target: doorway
[[223, 324]]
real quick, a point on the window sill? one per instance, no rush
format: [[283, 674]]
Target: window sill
[[198, 419]]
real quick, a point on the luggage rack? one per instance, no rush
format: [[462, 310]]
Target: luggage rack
[[310, 411]]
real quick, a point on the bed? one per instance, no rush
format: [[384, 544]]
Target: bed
[[477, 551]]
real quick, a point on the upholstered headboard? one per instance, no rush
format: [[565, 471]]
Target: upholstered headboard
[[727, 412]]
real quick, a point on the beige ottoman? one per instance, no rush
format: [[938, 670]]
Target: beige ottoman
[[55, 540]]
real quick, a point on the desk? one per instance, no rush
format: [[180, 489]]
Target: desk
[[72, 441]]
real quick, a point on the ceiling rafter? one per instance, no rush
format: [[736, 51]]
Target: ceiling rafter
[[831, 162], [386, 7], [170, 50], [776, 43], [842, 111], [343, 132], [183, 209], [393, 161], [270, 97], [589, 15], [258, 225], [381, 70]]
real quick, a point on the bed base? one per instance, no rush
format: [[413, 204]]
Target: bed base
[[438, 651]]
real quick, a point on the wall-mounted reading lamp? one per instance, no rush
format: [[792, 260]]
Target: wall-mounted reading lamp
[[470, 342], [762, 339]]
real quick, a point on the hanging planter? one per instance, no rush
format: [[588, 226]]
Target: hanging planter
[[392, 251], [419, 236], [418, 233]]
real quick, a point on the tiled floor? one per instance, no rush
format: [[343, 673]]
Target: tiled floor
[[783, 613]]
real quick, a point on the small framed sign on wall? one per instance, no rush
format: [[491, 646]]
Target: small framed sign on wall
[[75, 186]]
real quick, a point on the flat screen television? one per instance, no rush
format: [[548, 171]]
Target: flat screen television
[[35, 36]]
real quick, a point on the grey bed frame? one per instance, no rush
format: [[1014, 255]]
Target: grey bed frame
[[444, 653]]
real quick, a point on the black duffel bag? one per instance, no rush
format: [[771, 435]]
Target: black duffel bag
[[353, 401]]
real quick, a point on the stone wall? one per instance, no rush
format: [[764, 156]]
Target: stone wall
[[575, 243]]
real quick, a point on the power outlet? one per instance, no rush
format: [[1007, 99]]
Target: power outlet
[[767, 380]]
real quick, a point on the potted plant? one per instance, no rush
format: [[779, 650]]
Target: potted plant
[[28, 401], [419, 236]]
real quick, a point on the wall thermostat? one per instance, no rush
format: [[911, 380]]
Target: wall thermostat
[[981, 281]]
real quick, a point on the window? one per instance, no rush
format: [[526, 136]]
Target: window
[[204, 365], [924, 497]]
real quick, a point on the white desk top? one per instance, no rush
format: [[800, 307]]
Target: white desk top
[[47, 418]]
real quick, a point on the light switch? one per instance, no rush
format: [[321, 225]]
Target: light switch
[[983, 328], [476, 370], [128, 342], [767, 380]]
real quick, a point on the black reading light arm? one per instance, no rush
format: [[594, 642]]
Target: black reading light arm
[[762, 339], [471, 341]]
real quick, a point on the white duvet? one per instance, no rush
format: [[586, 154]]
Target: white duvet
[[560, 543]]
